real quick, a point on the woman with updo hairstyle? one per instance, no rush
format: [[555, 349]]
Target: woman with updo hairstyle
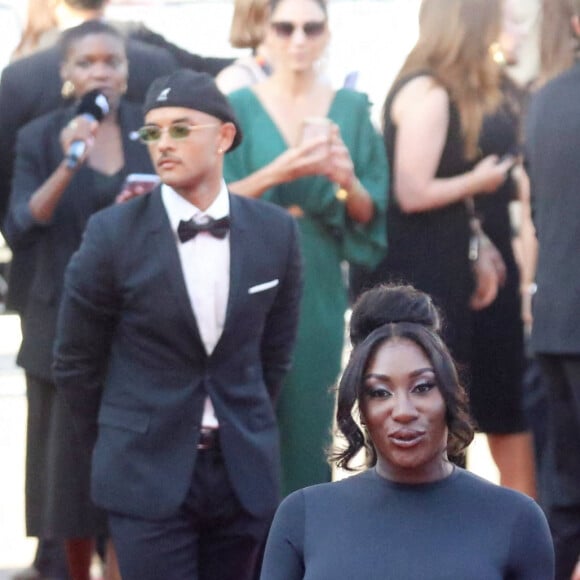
[[386, 313], [411, 513]]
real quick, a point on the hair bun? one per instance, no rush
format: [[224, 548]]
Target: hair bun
[[391, 303]]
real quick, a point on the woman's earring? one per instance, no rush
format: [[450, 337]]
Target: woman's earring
[[67, 90], [220, 151], [497, 54]]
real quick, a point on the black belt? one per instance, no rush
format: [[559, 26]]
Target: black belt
[[208, 439]]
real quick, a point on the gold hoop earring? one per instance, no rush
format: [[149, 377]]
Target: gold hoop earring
[[67, 90]]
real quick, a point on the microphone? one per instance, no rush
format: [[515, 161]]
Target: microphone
[[93, 106]]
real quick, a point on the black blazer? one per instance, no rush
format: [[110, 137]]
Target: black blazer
[[552, 145], [38, 154], [129, 356], [30, 87]]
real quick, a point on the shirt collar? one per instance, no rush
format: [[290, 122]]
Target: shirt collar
[[178, 208]]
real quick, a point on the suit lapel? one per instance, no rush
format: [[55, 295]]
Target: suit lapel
[[164, 245], [239, 252]]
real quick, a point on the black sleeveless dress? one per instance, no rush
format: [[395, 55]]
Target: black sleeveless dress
[[497, 362], [430, 249]]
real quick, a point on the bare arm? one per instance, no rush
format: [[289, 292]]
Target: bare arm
[[421, 113], [307, 158], [525, 245], [358, 202]]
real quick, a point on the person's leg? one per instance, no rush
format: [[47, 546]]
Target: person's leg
[[565, 526], [535, 392], [563, 376], [513, 454], [153, 550], [112, 571], [230, 540], [50, 559], [79, 552], [229, 556], [40, 399]]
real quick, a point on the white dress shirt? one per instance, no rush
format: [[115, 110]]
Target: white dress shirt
[[205, 262]]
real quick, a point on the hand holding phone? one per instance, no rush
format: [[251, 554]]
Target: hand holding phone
[[510, 158], [314, 127], [137, 184]]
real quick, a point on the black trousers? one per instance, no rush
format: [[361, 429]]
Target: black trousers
[[211, 537], [563, 458]]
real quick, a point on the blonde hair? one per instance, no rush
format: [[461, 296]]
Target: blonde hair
[[249, 23], [40, 18], [558, 42], [454, 43]]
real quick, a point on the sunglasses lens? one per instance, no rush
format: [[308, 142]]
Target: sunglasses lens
[[314, 28], [284, 29], [149, 134], [179, 131]]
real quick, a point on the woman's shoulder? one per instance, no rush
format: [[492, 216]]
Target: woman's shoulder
[[242, 73], [351, 96], [54, 120], [421, 86], [417, 93], [492, 496], [323, 495], [242, 96]]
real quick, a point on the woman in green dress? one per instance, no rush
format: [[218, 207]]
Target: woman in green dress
[[314, 151]]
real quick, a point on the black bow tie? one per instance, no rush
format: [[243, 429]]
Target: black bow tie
[[186, 230]]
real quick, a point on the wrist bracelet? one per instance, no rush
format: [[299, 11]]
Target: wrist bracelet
[[531, 290], [342, 194]]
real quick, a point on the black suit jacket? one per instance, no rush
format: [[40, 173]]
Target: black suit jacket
[[129, 356], [552, 146], [39, 154]]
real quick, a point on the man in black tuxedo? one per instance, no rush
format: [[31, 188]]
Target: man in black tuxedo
[[176, 328]]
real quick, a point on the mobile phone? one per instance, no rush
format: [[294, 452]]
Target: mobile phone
[[144, 181], [509, 157], [313, 127]]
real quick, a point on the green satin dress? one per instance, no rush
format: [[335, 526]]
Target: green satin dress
[[329, 239]]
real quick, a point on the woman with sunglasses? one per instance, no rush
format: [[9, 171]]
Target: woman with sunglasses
[[67, 167], [314, 151]]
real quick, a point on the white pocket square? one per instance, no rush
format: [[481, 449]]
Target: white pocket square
[[264, 286]]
